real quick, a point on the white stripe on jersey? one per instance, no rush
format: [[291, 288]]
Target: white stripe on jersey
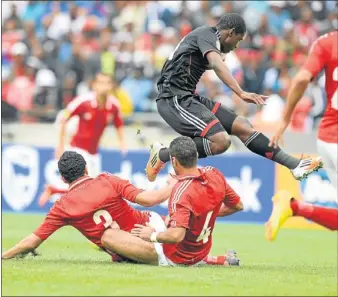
[[179, 192]]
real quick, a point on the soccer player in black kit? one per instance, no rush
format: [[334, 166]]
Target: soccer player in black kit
[[209, 123]]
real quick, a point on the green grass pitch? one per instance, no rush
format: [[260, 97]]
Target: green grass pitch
[[300, 262]]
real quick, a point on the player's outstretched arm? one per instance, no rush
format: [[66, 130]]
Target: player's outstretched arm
[[224, 74], [27, 245], [154, 197], [296, 91], [151, 198]]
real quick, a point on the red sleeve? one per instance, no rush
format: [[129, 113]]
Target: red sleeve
[[52, 223], [118, 122], [180, 217], [124, 188], [316, 59], [231, 197]]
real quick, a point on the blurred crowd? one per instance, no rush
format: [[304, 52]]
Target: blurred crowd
[[52, 50]]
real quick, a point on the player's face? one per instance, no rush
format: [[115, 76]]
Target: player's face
[[102, 84], [231, 41]]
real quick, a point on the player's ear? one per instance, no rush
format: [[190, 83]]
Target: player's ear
[[173, 161], [86, 170], [232, 32]]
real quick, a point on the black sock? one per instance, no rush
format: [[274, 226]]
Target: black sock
[[203, 147], [259, 144], [164, 155]]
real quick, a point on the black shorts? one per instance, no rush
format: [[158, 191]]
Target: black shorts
[[195, 116]]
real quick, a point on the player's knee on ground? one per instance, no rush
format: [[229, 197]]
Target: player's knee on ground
[[220, 142], [242, 128]]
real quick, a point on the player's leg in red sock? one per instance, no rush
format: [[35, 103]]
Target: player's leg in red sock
[[215, 260], [229, 259], [324, 216]]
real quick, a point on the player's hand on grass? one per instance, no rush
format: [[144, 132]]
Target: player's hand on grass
[[278, 136], [34, 253], [144, 232], [253, 98]]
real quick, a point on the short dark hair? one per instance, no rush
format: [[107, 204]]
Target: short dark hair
[[232, 21], [71, 166], [184, 150]]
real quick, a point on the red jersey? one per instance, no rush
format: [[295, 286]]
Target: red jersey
[[324, 55], [194, 204], [91, 205], [92, 120]]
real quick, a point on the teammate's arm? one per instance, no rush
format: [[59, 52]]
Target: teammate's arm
[[139, 196], [231, 204], [154, 197], [223, 72], [315, 63], [25, 246]]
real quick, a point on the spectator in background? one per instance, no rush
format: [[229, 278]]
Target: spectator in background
[[68, 91], [253, 13], [11, 35], [139, 88], [263, 30], [305, 29], [254, 73], [126, 103], [8, 112], [124, 56], [166, 47], [35, 10], [45, 99], [14, 17], [277, 16], [18, 53]]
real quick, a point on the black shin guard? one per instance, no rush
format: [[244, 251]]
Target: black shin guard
[[259, 144]]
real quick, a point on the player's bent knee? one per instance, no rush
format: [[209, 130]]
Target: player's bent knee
[[220, 143]]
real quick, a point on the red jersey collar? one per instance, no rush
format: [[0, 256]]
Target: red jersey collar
[[79, 181], [189, 176]]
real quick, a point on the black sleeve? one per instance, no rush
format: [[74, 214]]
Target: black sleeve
[[208, 42]]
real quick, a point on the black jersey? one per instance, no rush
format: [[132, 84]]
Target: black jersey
[[187, 63]]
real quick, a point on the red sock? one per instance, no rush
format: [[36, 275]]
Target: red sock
[[324, 216], [55, 190], [215, 260]]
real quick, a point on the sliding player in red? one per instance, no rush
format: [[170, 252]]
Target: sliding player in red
[[95, 110], [323, 56], [199, 196], [93, 205]]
